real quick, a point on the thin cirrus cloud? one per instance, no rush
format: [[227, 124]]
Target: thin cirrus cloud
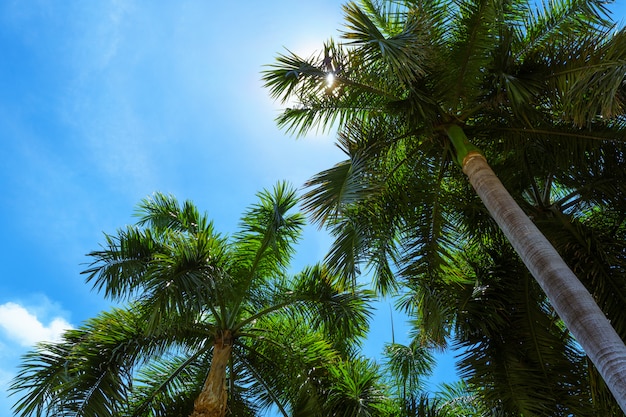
[[21, 326]]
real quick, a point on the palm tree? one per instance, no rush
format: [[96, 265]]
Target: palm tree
[[414, 80], [353, 388], [406, 367], [211, 324]]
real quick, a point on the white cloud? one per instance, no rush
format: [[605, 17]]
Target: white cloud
[[25, 328]]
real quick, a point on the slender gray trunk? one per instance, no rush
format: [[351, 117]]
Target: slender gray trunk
[[568, 296]]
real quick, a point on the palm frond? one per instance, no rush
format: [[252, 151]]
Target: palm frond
[[509, 342], [188, 279], [331, 305], [267, 234], [119, 267], [168, 383], [596, 75], [356, 389], [163, 212], [554, 22], [280, 369], [353, 89], [401, 48], [408, 366], [89, 371], [469, 47], [458, 398]]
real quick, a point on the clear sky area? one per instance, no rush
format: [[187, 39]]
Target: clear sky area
[[104, 102]]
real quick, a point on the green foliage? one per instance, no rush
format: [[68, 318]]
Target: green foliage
[[540, 89], [408, 365], [515, 349], [185, 286]]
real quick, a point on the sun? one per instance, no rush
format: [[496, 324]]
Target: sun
[[330, 79]]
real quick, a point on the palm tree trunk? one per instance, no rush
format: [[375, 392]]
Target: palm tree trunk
[[568, 296], [212, 400]]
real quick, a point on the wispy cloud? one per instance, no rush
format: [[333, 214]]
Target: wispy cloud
[[25, 328]]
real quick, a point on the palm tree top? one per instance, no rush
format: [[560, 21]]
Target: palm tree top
[[195, 307], [469, 62]]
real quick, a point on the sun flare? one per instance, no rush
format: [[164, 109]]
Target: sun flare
[[330, 79]]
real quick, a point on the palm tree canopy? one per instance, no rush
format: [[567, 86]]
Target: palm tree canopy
[[468, 62], [540, 90], [184, 289]]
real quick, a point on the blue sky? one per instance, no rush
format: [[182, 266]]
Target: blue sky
[[103, 103]]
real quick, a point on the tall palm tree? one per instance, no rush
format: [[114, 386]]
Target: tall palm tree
[[414, 80], [212, 323]]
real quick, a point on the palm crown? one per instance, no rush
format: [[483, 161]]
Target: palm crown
[[209, 318], [541, 93]]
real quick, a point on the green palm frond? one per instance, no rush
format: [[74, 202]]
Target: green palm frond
[[142, 262], [41, 374], [90, 369], [401, 48], [168, 383], [163, 212], [408, 366], [336, 308], [284, 79], [117, 269], [166, 269], [553, 22], [468, 48], [355, 90], [285, 365], [356, 390], [350, 181], [597, 81], [347, 252], [267, 233], [458, 399], [388, 16], [332, 188], [431, 310], [187, 281]]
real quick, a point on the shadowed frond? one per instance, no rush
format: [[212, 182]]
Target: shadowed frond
[[168, 384]]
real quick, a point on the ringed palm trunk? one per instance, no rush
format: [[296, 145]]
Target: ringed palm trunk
[[213, 398], [567, 295]]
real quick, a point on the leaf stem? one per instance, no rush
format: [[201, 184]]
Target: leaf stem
[[461, 144]]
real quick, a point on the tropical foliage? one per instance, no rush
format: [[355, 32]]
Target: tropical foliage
[[540, 90], [209, 324], [202, 317]]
